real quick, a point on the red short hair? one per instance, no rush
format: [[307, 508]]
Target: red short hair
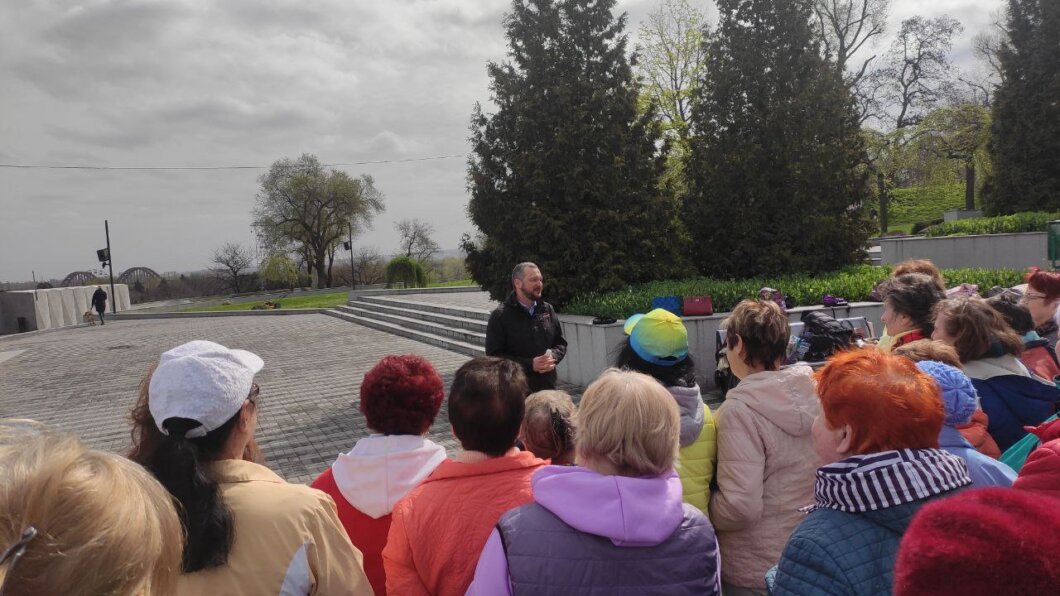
[[1046, 282], [401, 395], [886, 400]]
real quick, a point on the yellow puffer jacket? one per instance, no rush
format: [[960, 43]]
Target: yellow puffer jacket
[[695, 462]]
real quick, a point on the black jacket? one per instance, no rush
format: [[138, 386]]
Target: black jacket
[[99, 299], [512, 333]]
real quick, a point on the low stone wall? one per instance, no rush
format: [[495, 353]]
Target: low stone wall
[[54, 307], [992, 251], [592, 348]]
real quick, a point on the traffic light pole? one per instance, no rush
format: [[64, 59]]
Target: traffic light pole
[[110, 264]]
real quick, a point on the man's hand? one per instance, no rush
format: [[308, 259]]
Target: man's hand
[[544, 363]]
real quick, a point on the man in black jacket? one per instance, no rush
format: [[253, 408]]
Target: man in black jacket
[[526, 329]]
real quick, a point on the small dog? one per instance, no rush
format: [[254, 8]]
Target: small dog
[[89, 317]]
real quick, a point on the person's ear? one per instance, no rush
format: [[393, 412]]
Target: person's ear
[[246, 415], [846, 440]]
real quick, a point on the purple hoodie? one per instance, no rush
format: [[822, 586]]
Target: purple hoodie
[[630, 511]]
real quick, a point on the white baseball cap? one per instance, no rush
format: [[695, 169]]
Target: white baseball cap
[[202, 381]]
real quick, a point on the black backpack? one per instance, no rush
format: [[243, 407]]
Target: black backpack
[[825, 336]]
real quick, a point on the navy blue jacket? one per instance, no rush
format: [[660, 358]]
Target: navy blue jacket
[[1010, 398]]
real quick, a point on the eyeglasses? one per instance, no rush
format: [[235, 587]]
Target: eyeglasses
[[15, 552], [1027, 297]]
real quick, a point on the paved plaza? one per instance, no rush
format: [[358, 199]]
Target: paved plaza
[[85, 379]]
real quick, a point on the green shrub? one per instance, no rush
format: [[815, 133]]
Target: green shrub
[[406, 270], [1031, 221], [924, 203], [853, 283]]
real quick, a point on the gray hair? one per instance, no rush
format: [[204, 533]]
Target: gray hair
[[520, 270]]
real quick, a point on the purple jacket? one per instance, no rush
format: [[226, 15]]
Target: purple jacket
[[629, 512]]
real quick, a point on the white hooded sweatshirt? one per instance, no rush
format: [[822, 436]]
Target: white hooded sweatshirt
[[381, 469]]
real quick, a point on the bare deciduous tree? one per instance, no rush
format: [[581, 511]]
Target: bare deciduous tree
[[417, 240], [231, 263], [845, 27], [917, 73], [369, 266]]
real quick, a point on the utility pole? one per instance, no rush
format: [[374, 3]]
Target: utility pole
[[110, 264]]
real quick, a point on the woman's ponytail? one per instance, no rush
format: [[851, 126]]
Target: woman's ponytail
[[177, 463]]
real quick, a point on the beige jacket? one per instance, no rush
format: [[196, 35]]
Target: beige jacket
[[766, 468], [288, 540]]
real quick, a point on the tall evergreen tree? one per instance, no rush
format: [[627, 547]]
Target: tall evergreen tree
[[1025, 136], [775, 176], [566, 172]]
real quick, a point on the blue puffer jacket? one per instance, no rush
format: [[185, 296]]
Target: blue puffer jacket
[[838, 553]]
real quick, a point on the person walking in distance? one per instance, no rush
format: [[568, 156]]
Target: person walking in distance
[[99, 302], [526, 329]]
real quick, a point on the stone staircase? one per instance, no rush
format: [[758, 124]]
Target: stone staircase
[[458, 328]]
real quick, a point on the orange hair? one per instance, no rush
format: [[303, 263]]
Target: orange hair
[[887, 402]]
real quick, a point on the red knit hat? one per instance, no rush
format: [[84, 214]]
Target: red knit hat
[[1041, 471], [985, 541]]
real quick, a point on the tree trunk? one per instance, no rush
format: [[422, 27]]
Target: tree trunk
[[321, 277], [969, 186], [885, 201]]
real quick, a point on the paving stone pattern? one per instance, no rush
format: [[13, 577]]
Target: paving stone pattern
[[85, 379]]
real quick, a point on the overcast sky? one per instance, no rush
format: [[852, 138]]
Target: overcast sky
[[245, 82]]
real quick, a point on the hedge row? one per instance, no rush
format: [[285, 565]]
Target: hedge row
[[1033, 221], [853, 283]]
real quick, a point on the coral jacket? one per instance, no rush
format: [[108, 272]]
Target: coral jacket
[[438, 530]]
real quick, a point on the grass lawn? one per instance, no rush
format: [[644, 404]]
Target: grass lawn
[[318, 301], [452, 284]]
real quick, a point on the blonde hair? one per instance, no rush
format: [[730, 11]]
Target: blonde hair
[[550, 426], [630, 421], [104, 525], [929, 349]]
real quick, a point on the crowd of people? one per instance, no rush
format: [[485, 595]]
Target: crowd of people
[[878, 473]]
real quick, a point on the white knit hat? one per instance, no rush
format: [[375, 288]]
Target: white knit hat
[[201, 381]]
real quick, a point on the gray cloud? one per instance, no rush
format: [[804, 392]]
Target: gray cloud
[[241, 82]]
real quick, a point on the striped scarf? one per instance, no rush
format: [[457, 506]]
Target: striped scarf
[[880, 480]]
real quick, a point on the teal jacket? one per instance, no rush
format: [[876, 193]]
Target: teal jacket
[[838, 553]]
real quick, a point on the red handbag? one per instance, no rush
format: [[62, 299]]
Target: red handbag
[[698, 306]]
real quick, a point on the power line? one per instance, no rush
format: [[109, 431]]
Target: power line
[[171, 168]]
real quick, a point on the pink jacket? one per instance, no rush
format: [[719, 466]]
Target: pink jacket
[[766, 467]]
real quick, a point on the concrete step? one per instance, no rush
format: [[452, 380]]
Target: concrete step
[[417, 324], [454, 311], [432, 317], [444, 342]]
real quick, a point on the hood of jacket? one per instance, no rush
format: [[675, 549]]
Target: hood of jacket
[[690, 404], [641, 511], [786, 397], [988, 368], [381, 469]]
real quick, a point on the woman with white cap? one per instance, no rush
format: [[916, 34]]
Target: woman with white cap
[[247, 531]]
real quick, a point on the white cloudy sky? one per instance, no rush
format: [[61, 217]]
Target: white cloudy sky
[[245, 82]]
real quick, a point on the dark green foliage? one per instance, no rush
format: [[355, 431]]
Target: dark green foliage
[[1005, 224], [566, 172], [924, 203], [407, 271], [775, 176], [853, 283], [1025, 136]]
